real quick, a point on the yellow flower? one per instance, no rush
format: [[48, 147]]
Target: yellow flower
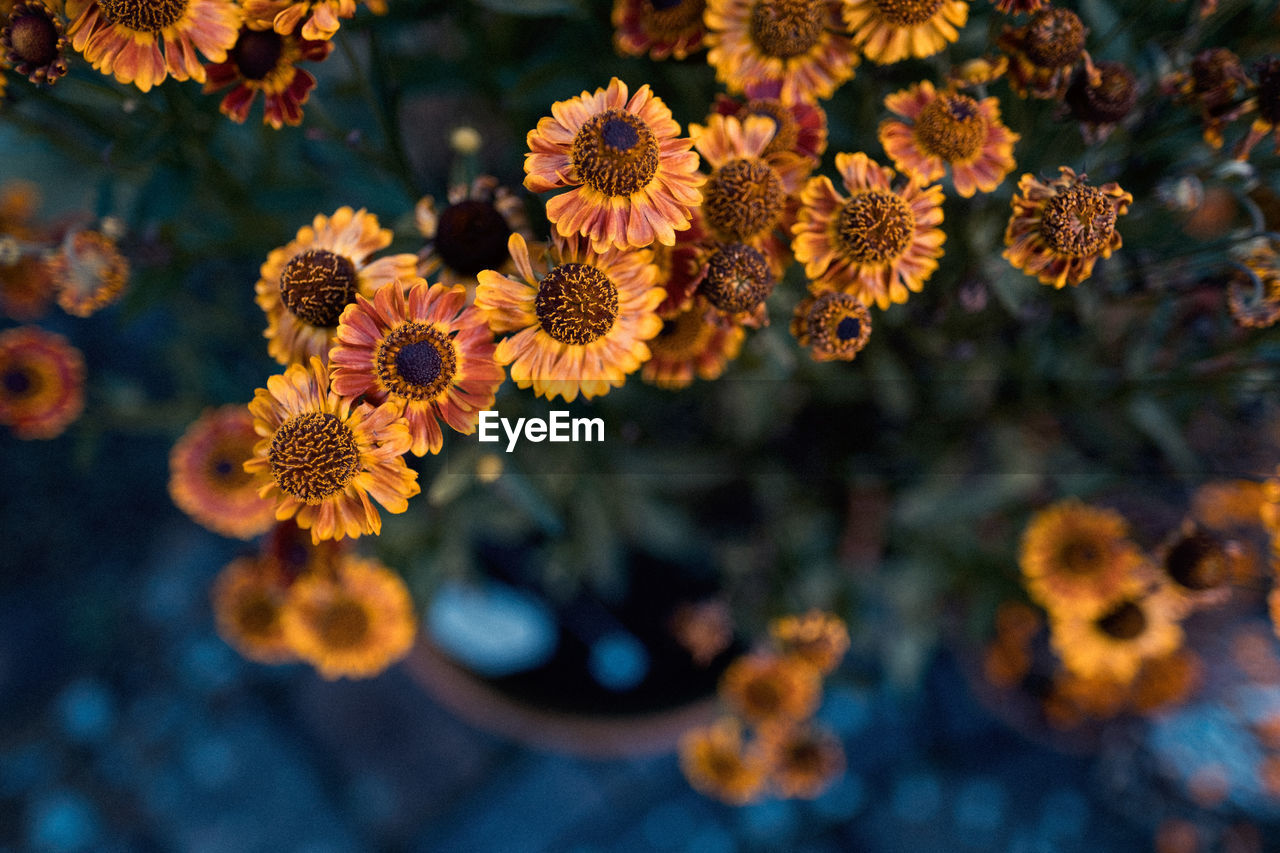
[[717, 763], [322, 17], [892, 30], [634, 179], [248, 596], [690, 345], [803, 760], [766, 687], [1077, 558], [1058, 230], [1134, 627], [580, 324], [820, 639], [320, 460], [878, 244]]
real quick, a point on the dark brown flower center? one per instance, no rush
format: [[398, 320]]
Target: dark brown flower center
[[1268, 72], [317, 284], [1055, 38], [314, 455], [258, 615], [1125, 621], [762, 696], [343, 624], [416, 361], [257, 53], [951, 127], [1217, 77], [576, 304], [785, 28], [1197, 562], [33, 37], [1078, 221], [908, 12], [838, 325], [671, 18], [472, 236], [1080, 557], [786, 131], [148, 16], [738, 278], [19, 383], [615, 153], [848, 328], [875, 227], [743, 198], [1109, 101]]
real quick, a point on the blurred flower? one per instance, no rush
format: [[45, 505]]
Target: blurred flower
[[892, 30], [1074, 698], [1043, 52], [26, 287], [320, 461], [879, 244], [306, 284], [88, 272], [1058, 230], [634, 178], [803, 760], [766, 687], [41, 382], [322, 16], [660, 28], [704, 629], [427, 352], [247, 601], [1196, 564], [717, 763], [266, 61], [948, 129], [816, 637], [1008, 657], [736, 281], [207, 479], [471, 233], [795, 43], [1227, 504], [1017, 7], [581, 326], [1101, 102], [34, 41], [1166, 681], [1077, 558], [1216, 85], [123, 37], [832, 326], [688, 345], [354, 621], [978, 72], [1267, 101], [800, 128], [1134, 627]]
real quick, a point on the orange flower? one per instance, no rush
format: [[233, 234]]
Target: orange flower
[[797, 44], [579, 327], [471, 233], [305, 285], [800, 128], [1077, 557], [88, 272], [247, 601], [428, 353], [690, 345], [33, 41], [41, 382], [634, 178], [322, 17], [1125, 632], [355, 621], [207, 479], [660, 28], [717, 763], [765, 687], [878, 244], [948, 128], [832, 326], [125, 37], [892, 30], [266, 61], [818, 638], [803, 760], [1043, 53], [320, 460], [1058, 230]]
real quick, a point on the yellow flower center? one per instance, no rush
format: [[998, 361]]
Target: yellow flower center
[[683, 337], [416, 361], [615, 153], [343, 624], [743, 198], [317, 284], [1055, 38], [472, 236], [33, 37], [313, 456], [786, 28], [951, 127], [907, 13], [147, 16], [671, 18], [738, 278], [257, 53], [1125, 621], [1078, 221], [875, 227], [576, 304], [786, 131], [1197, 562]]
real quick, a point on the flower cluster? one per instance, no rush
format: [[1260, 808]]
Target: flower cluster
[[772, 693]]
